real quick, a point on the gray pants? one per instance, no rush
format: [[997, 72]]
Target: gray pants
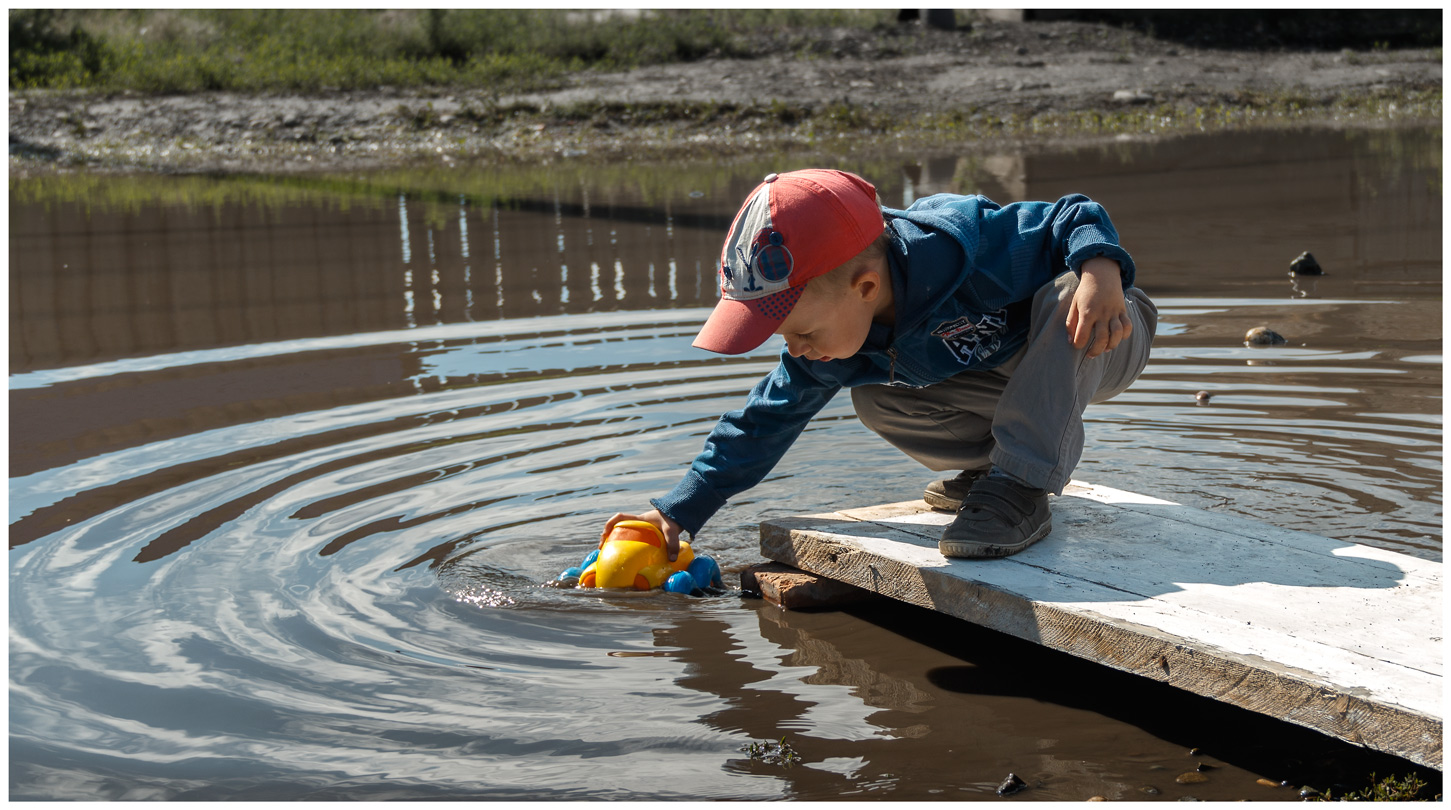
[[1026, 415]]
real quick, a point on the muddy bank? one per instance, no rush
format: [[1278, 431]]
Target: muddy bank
[[853, 89]]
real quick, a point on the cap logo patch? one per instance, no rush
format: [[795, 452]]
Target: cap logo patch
[[769, 255], [756, 261]]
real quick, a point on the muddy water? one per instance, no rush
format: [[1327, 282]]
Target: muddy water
[[290, 457]]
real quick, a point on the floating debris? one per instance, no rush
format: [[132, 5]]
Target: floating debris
[[772, 752], [1262, 336], [1305, 265], [1011, 785]]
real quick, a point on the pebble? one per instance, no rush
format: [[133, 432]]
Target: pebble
[[1263, 336], [1305, 265], [1097, 799], [1203, 397], [1011, 785], [1150, 790], [1132, 97], [1191, 778], [1267, 782]]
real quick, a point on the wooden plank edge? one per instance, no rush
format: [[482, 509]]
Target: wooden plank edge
[[793, 589], [1193, 666]]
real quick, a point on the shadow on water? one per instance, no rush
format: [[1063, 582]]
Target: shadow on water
[[289, 456], [916, 689]]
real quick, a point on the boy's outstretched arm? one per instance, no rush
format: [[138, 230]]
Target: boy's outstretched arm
[[670, 528], [1098, 317]]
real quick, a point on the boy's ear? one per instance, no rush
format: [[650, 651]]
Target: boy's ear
[[867, 281]]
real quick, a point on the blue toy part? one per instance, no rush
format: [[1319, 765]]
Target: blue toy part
[[680, 582], [706, 572], [571, 572], [588, 560]]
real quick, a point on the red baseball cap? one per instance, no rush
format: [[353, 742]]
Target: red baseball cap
[[792, 228]]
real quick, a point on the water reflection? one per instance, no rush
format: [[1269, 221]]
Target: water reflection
[[94, 282]]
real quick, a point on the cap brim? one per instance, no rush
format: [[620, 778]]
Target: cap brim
[[737, 327]]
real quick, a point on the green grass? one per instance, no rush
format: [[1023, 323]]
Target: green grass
[[676, 183], [1390, 789], [177, 51], [434, 190]]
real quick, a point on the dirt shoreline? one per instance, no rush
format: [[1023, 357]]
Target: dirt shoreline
[[1032, 81]]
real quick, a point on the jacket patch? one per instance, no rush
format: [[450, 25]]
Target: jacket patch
[[972, 342]]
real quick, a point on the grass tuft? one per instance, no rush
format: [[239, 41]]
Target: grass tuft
[[183, 51]]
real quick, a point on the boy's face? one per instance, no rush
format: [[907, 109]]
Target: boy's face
[[831, 321]]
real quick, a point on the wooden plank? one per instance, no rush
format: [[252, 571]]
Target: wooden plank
[[1335, 636], [794, 589]]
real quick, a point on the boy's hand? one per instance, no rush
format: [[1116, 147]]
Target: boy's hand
[[668, 527], [1098, 317]]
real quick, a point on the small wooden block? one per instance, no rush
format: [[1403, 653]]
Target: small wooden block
[[794, 589]]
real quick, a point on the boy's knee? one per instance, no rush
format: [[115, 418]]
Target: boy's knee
[[1059, 291], [1055, 297], [869, 405]]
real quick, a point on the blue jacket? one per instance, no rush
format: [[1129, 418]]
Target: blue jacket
[[964, 271]]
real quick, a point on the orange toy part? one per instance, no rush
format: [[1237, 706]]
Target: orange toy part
[[635, 531], [632, 555]]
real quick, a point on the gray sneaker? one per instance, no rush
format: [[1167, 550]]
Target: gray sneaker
[[998, 517], [948, 493]]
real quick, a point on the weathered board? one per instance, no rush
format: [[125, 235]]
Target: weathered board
[[1339, 637], [794, 589]]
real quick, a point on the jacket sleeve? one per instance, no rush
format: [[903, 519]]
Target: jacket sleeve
[[1025, 245], [747, 443]]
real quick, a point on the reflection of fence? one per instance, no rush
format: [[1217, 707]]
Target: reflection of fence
[[91, 286], [568, 258], [1239, 204], [110, 285]]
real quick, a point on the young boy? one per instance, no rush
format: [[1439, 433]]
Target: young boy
[[972, 336]]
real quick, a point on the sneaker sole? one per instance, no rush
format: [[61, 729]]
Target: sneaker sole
[[967, 549], [939, 501]]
